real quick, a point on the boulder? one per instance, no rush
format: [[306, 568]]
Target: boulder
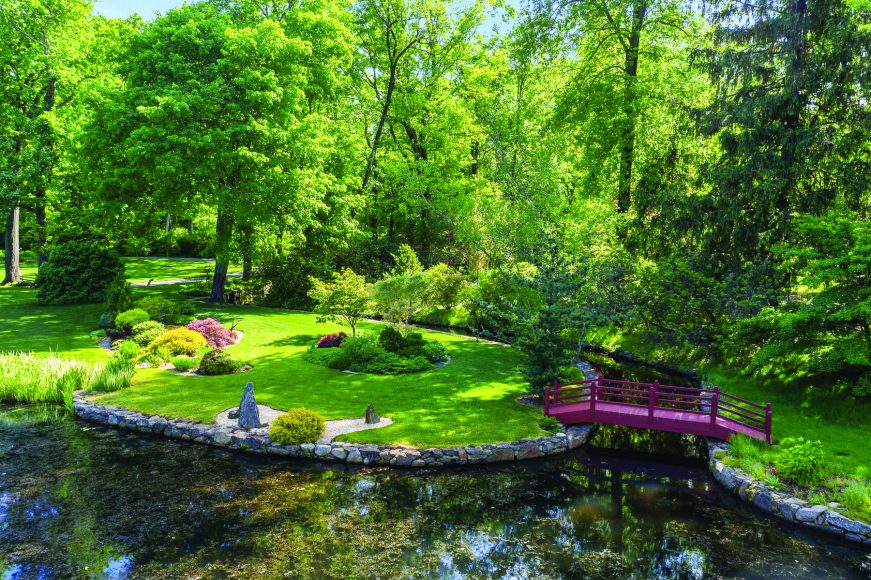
[[249, 415], [371, 416]]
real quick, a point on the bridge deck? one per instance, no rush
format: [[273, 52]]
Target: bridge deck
[[696, 411]]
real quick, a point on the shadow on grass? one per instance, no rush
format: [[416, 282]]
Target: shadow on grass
[[295, 340]]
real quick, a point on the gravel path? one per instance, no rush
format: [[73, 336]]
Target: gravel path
[[333, 430]]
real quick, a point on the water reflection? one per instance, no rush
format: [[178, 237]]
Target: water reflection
[[78, 501]]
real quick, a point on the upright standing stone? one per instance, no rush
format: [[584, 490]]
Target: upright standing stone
[[371, 415], [249, 416]]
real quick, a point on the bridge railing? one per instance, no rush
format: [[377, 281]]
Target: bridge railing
[[696, 400]]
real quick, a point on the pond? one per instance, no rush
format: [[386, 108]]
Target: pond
[[76, 500]]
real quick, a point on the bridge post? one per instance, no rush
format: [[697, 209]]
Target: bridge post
[[594, 386], [651, 399], [768, 423], [715, 402]]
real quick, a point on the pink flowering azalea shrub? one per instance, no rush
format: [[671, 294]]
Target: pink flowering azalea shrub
[[214, 332], [332, 340]]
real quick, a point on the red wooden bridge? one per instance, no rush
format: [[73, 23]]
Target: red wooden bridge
[[705, 412]]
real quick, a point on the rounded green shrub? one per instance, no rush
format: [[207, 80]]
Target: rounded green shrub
[[297, 426], [178, 341], [218, 362], [144, 332], [391, 339], [129, 318], [389, 363], [800, 461], [185, 363], [167, 311], [77, 272]]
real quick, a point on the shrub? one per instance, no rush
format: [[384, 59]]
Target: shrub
[[130, 318], [549, 424], [153, 359], [321, 356], [333, 340], [361, 349], [389, 363], [800, 461], [107, 321], [216, 335], [128, 351], [118, 295], [856, 496], [144, 332], [218, 362], [167, 311], [77, 272], [185, 363], [178, 341], [391, 339], [297, 426], [443, 286], [435, 352]]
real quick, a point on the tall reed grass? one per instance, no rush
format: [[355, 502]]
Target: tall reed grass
[[27, 378]]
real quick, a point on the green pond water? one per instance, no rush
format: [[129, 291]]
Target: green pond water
[[82, 501]]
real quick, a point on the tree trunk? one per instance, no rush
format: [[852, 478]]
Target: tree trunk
[[247, 250], [224, 233], [12, 267], [39, 212], [627, 148], [376, 140]]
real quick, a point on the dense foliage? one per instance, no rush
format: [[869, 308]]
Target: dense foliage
[[77, 273], [387, 353], [178, 341], [218, 362], [215, 333], [297, 426], [693, 175]]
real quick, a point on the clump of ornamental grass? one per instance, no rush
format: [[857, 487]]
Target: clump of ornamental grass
[[28, 378]]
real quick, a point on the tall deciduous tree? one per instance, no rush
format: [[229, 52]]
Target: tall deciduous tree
[[217, 111], [40, 64]]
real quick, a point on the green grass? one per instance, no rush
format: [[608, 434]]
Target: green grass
[[26, 326], [470, 400], [141, 270], [841, 423]]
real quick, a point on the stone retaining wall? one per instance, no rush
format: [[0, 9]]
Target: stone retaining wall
[[359, 453], [797, 511], [791, 509]]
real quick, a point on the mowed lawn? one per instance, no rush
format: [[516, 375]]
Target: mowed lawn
[[141, 270], [470, 400]]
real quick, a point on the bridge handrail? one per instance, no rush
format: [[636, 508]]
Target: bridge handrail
[[689, 399]]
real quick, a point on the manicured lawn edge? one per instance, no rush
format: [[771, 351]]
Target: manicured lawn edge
[[791, 509], [356, 453]]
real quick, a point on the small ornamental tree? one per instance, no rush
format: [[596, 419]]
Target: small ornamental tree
[[443, 286], [405, 261], [343, 299], [401, 298]]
